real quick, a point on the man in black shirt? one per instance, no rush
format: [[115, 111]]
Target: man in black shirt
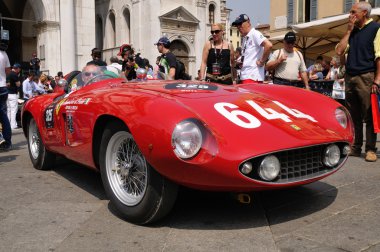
[[96, 58], [362, 74], [13, 85], [35, 64], [168, 61], [129, 65]]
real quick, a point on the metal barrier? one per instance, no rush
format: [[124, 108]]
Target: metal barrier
[[321, 86]]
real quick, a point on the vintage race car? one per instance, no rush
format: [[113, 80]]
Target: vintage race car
[[148, 137]]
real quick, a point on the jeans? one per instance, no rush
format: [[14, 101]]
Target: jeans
[[12, 105], [7, 132]]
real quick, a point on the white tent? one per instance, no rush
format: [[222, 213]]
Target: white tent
[[319, 37]]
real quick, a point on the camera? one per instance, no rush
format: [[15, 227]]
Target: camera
[[131, 58]]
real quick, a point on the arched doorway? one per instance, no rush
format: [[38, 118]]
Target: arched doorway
[[181, 51], [110, 31], [14, 20], [126, 35], [99, 32]]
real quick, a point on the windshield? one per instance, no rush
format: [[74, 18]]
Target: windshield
[[91, 74]]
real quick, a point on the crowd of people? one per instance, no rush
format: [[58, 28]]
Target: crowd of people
[[17, 86]]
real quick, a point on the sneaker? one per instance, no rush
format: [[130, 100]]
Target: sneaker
[[5, 147], [370, 156], [2, 140], [355, 153]]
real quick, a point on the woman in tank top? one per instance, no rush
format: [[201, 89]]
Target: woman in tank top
[[218, 58]]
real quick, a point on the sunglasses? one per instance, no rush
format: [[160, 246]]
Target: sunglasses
[[90, 73], [215, 32]]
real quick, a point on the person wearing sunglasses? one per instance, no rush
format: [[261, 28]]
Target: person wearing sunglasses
[[218, 58], [255, 51], [287, 64], [89, 72]]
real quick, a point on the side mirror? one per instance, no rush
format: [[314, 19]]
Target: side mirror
[[141, 74], [63, 84]]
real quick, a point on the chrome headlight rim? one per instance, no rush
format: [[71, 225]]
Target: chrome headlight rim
[[187, 138], [269, 173], [332, 155]]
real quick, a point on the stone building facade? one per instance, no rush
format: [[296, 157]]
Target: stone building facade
[[63, 32]]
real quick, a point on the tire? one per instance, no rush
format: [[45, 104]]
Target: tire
[[41, 158], [139, 193]]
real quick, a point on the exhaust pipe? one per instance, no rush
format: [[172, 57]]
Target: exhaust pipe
[[243, 198]]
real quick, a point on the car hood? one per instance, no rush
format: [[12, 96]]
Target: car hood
[[260, 118]]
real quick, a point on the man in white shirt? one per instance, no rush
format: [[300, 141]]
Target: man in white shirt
[[29, 86], [115, 66], [5, 69], [288, 64], [255, 51]]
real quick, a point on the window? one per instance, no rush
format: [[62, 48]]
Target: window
[[113, 29], [290, 12], [347, 5], [301, 6], [313, 9], [307, 10], [127, 31], [238, 44], [237, 33], [211, 14], [374, 3], [230, 32], [42, 52], [99, 32]]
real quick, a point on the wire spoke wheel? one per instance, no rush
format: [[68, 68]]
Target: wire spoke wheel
[[126, 169], [41, 158], [34, 139]]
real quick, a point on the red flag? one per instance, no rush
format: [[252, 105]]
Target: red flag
[[375, 102]]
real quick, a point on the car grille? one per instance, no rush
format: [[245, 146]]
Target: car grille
[[298, 164]]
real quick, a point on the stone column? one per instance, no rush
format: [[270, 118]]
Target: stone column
[[201, 33], [68, 47]]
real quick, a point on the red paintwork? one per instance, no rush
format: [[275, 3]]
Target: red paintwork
[[151, 113]]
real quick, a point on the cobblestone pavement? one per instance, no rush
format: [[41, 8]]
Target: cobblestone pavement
[[66, 210]]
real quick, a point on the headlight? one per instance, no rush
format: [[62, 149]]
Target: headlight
[[331, 155], [341, 117], [186, 139], [269, 168]]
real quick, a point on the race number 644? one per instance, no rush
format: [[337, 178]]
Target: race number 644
[[249, 121]]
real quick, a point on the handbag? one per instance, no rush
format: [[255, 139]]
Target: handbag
[[338, 91], [375, 102]]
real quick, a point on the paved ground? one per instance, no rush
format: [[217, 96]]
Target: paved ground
[[66, 210]]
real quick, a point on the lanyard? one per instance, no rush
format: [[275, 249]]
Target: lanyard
[[216, 54]]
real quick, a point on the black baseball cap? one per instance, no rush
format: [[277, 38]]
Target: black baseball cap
[[240, 19], [164, 41], [16, 65], [290, 37]]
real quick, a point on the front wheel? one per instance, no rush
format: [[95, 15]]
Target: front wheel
[[138, 192], [41, 158]]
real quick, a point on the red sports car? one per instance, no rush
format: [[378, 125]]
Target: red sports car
[[148, 137]]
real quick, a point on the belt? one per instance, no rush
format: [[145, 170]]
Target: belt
[[215, 77], [290, 81], [247, 81]]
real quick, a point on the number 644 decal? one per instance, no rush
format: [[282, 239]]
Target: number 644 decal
[[249, 121]]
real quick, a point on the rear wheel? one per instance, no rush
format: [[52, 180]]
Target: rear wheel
[[138, 192], [41, 158]]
